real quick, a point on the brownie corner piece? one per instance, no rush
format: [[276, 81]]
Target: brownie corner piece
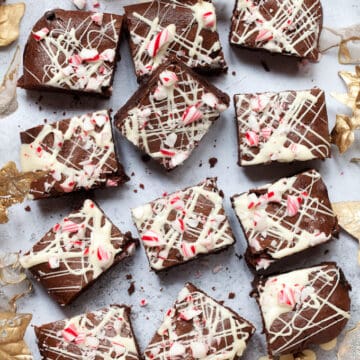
[[303, 307], [182, 226], [102, 334], [76, 251], [282, 127], [186, 30], [285, 218], [279, 26], [72, 51], [169, 114], [199, 327], [74, 154]]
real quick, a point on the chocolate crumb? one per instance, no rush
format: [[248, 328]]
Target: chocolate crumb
[[128, 277], [326, 251], [239, 256], [221, 302], [135, 191], [233, 73], [213, 288], [28, 208], [231, 295], [131, 288], [265, 66], [132, 174], [142, 186], [64, 113], [145, 158], [221, 193], [213, 161], [200, 165]]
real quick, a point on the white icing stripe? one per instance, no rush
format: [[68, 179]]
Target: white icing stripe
[[191, 51], [63, 47], [293, 28], [83, 243], [288, 238], [278, 120], [209, 338], [183, 111], [89, 134], [178, 223], [104, 334], [317, 286]]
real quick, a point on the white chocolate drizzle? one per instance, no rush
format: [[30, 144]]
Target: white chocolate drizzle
[[103, 334], [278, 122], [316, 287], [194, 51], [89, 158], [271, 215], [186, 223], [213, 332], [170, 122], [64, 48], [81, 247], [291, 27]]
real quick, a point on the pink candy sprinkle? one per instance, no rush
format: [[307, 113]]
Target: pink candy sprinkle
[[159, 40], [143, 302], [40, 35], [191, 114], [264, 35], [70, 333], [252, 138], [97, 18], [151, 239], [168, 78], [293, 205], [209, 19]]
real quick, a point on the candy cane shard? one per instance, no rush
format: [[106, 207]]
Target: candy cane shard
[[161, 40]]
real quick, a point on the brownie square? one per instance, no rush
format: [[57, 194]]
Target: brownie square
[[185, 30], [74, 154], [198, 327], [283, 127], [287, 27], [285, 218], [76, 251], [72, 51], [180, 227], [169, 115], [101, 334], [303, 307]]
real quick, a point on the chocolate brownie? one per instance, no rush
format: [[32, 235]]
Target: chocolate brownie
[[198, 327], [287, 27], [186, 30], [169, 115], [283, 127], [76, 251], [303, 307], [101, 334], [184, 225], [72, 51], [75, 154], [285, 218]]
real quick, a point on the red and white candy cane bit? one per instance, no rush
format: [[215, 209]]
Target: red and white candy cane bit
[[102, 254], [75, 60], [286, 296], [80, 339], [111, 183], [143, 302], [188, 250], [191, 114], [160, 93], [252, 138], [92, 342], [54, 262], [293, 205], [168, 78], [108, 55], [264, 35], [209, 19], [167, 153], [266, 132], [96, 4], [80, 4], [97, 18], [189, 314], [151, 239], [89, 55], [161, 39], [70, 333], [177, 203], [179, 225], [41, 34], [70, 226]]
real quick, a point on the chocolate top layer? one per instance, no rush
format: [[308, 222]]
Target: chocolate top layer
[[77, 251], [198, 327], [286, 217], [185, 30], [283, 127], [169, 115], [102, 334], [77, 153], [72, 51], [181, 226], [303, 307], [280, 26]]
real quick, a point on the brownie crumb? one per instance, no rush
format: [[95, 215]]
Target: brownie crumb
[[142, 186], [213, 288], [233, 73], [132, 174], [265, 66], [221, 193], [135, 191], [45, 121], [64, 113], [145, 158], [200, 165], [131, 288], [239, 256], [326, 251], [231, 295], [221, 302], [213, 161], [128, 277], [28, 208]]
